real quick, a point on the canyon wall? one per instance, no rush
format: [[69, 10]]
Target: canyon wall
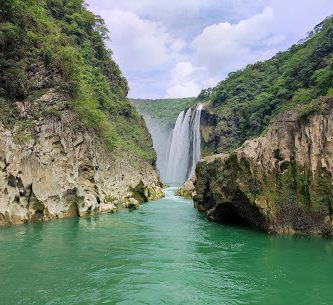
[[52, 169], [280, 182]]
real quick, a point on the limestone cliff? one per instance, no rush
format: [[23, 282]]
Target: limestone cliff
[[53, 169], [281, 182]]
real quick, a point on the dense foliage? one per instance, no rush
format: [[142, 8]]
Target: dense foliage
[[249, 99], [164, 111], [59, 44]]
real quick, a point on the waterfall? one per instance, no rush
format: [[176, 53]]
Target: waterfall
[[196, 138], [184, 146]]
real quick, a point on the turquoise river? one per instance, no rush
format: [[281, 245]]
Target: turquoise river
[[164, 253]]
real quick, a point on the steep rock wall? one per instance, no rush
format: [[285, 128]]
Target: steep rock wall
[[52, 169], [281, 182]]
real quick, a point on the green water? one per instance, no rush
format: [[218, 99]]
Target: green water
[[164, 253]]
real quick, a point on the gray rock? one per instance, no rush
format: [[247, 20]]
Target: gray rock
[[60, 171]]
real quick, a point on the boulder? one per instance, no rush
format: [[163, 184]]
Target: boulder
[[131, 203], [187, 190]]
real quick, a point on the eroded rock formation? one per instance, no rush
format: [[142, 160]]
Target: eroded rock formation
[[281, 182], [187, 190], [52, 169]]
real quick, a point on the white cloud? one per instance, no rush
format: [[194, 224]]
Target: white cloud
[[222, 48], [225, 47], [187, 80], [176, 48], [139, 44], [183, 17]]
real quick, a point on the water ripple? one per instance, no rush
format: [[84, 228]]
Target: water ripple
[[164, 253]]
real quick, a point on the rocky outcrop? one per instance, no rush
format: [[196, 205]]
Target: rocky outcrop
[[187, 190], [52, 169], [281, 182], [132, 203]]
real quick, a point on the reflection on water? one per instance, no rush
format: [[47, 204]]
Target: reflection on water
[[164, 253]]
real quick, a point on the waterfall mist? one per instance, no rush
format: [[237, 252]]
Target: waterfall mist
[[160, 138]]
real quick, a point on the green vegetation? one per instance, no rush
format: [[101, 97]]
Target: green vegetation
[[314, 106], [23, 131], [7, 114], [164, 111], [248, 100], [59, 44]]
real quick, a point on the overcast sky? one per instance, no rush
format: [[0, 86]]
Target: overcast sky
[[175, 48]]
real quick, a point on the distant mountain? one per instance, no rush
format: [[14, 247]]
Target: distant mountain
[[163, 111]]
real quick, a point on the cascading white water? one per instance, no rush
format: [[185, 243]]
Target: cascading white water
[[184, 147], [196, 138]]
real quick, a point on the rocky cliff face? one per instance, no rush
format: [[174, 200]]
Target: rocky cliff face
[[281, 182], [52, 169]]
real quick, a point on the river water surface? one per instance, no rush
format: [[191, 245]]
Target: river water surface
[[164, 253]]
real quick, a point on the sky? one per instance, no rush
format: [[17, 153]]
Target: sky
[[176, 48]]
